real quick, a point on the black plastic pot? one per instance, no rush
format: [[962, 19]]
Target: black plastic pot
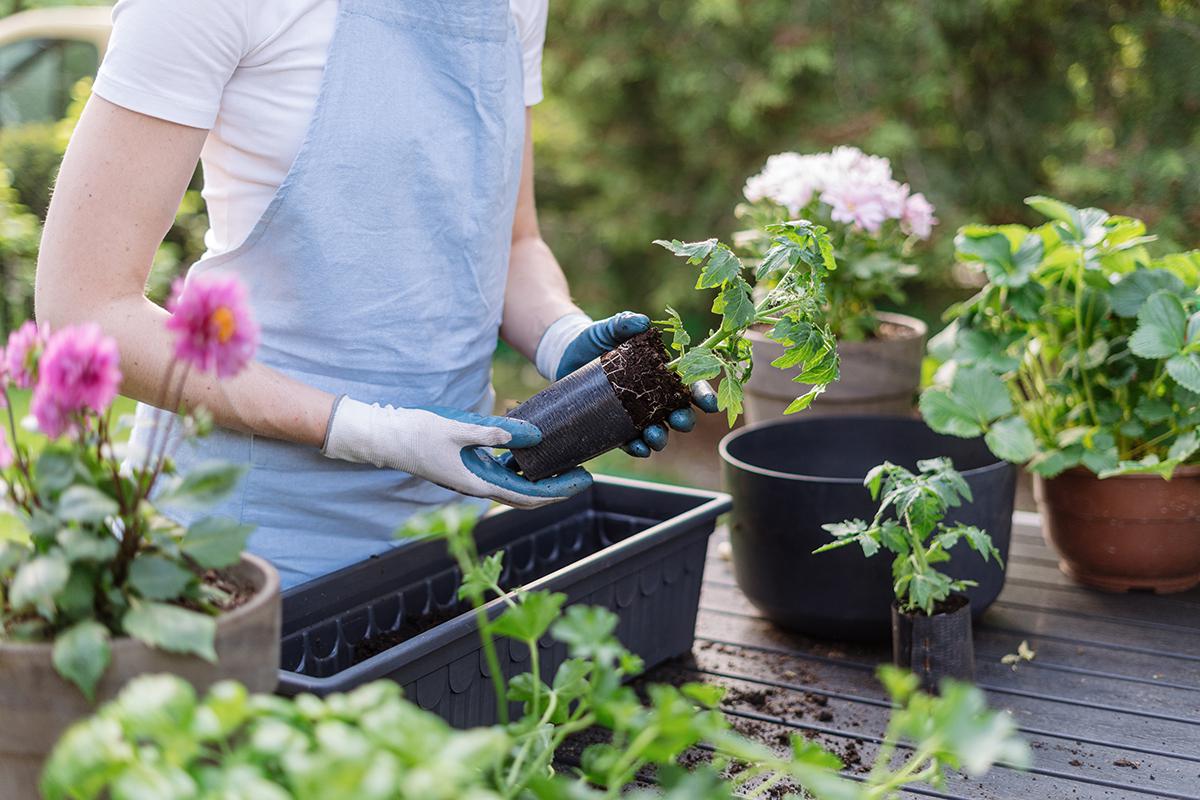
[[935, 647], [579, 416], [635, 548], [789, 477]]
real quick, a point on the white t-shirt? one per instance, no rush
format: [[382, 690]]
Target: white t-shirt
[[249, 70]]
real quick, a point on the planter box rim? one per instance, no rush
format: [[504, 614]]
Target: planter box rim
[[261, 597], [732, 436]]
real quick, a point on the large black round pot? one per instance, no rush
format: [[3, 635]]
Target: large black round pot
[[789, 477]]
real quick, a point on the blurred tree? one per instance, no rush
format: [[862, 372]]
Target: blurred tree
[[656, 113]]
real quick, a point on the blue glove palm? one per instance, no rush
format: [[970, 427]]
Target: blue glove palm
[[600, 337]]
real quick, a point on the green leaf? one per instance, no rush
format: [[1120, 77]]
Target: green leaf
[[158, 578], [54, 470], [588, 632], [720, 269], [804, 401], [1054, 209], [1004, 266], [531, 617], [694, 252], [1133, 290], [1150, 465], [206, 484], [86, 760], [729, 398], [1011, 439], [215, 542], [1185, 369], [1153, 410], [1162, 327], [480, 579], [1184, 447], [82, 545], [81, 655], [171, 628], [37, 582], [1049, 463], [706, 694], [85, 504], [737, 309], [698, 364], [975, 398]]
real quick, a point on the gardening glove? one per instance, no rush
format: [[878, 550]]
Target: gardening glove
[[446, 447], [575, 340]]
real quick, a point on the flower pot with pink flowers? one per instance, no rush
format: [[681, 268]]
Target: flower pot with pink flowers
[[97, 586], [876, 225]]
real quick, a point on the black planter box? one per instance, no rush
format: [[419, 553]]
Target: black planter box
[[635, 548]]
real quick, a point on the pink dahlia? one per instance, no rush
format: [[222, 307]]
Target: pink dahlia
[[78, 372], [21, 356], [213, 328], [857, 203]]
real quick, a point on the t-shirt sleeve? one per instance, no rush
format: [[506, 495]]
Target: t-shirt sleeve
[[171, 59], [531, 27]]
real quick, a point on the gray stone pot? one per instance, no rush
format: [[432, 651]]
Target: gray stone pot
[[37, 706], [879, 376]]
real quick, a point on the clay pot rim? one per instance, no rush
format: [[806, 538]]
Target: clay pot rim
[[746, 466], [914, 326], [1185, 471], [265, 594]]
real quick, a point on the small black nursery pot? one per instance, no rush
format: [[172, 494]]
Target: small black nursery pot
[[935, 646], [600, 406]]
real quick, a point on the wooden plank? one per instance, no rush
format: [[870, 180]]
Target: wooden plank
[[847, 723]]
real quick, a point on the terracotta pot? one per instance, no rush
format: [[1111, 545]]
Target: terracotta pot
[[37, 706], [878, 376], [935, 647], [1128, 532]]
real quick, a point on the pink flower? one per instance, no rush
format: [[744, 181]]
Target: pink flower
[[78, 372], [21, 356], [212, 324], [6, 453], [857, 203], [918, 219]]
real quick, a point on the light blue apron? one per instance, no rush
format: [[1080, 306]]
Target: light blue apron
[[378, 269]]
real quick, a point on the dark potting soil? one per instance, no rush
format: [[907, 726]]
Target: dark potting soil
[[374, 645], [948, 606], [637, 370]]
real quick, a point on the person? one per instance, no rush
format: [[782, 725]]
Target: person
[[368, 172]]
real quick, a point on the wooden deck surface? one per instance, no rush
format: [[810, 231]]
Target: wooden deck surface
[[1110, 704]]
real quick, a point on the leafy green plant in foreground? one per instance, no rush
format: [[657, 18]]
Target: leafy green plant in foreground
[[798, 256], [915, 534], [159, 740], [1081, 350]]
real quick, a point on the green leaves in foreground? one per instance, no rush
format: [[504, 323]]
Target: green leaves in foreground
[[797, 262]]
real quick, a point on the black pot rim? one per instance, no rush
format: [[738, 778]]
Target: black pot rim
[[732, 436], [966, 604]]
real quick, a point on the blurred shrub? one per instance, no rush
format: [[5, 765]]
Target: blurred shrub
[[19, 234], [657, 112], [32, 155]]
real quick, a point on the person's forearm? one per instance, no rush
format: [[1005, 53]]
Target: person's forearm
[[536, 294], [260, 400]]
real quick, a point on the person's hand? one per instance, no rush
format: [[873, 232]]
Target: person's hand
[[575, 340], [446, 447]]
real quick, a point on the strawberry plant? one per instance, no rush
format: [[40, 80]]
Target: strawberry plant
[[1081, 350], [158, 739], [914, 531], [798, 256]]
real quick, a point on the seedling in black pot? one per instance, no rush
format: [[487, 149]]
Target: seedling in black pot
[[931, 622], [605, 403]]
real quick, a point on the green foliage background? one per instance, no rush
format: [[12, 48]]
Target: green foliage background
[[656, 113]]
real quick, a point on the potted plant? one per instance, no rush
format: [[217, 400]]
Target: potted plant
[[875, 225], [931, 619], [159, 740], [605, 403], [1081, 356], [788, 477], [95, 585]]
